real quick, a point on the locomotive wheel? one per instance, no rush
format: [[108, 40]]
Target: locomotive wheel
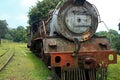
[[46, 59], [54, 74]]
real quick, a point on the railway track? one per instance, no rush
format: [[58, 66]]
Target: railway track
[[4, 52], [6, 57]]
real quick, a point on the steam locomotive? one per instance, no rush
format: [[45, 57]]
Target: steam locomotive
[[67, 42]]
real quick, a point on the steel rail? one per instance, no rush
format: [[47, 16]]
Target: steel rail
[[8, 60], [4, 52]]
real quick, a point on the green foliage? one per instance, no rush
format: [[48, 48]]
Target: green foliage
[[3, 28], [17, 35], [114, 70], [8, 36], [41, 10], [114, 38]]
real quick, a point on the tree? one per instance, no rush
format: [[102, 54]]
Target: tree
[[3, 28], [8, 36], [40, 11], [114, 37], [19, 34], [117, 43]]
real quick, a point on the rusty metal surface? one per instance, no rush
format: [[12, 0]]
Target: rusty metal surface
[[92, 54], [63, 45], [95, 59]]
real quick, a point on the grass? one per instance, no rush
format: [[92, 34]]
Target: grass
[[114, 71], [24, 65], [3, 48], [2, 51]]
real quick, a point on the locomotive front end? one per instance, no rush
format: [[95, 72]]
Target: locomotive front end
[[78, 54]]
